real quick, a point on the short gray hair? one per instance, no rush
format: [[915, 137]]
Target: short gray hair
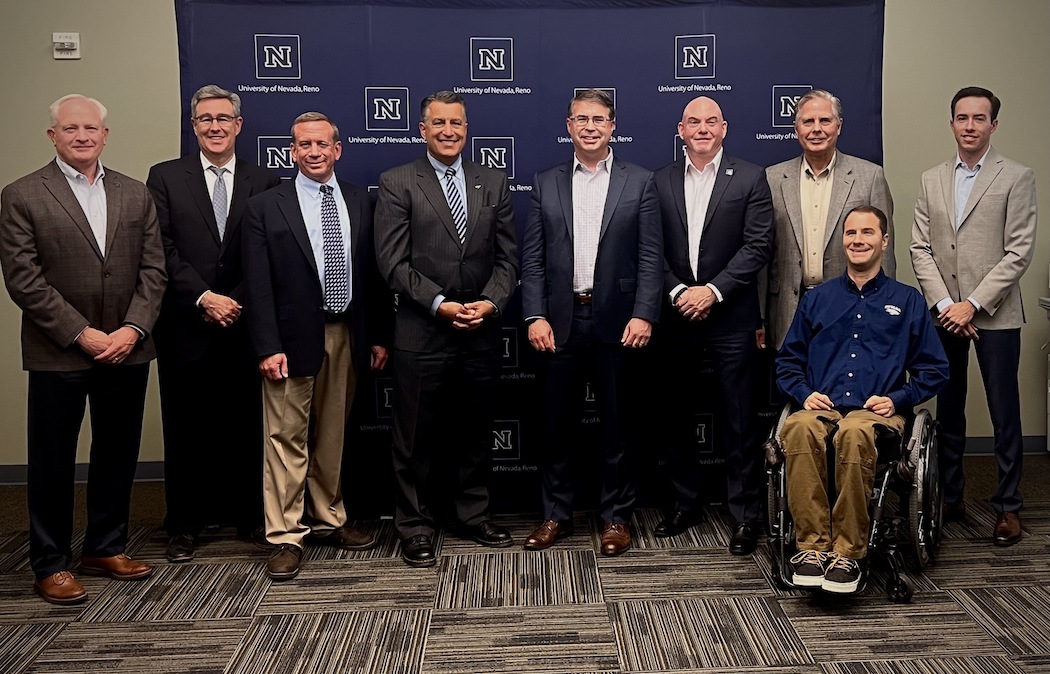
[[53, 110], [215, 91], [316, 117], [812, 95], [449, 97]]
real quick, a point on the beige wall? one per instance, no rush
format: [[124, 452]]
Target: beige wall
[[130, 62]]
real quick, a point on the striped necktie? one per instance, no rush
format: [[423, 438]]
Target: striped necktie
[[455, 204]]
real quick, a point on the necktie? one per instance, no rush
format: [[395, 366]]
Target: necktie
[[219, 199], [336, 291], [455, 203]]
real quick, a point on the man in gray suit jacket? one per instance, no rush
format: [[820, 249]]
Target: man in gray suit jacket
[[973, 239], [445, 243], [812, 195], [83, 260]]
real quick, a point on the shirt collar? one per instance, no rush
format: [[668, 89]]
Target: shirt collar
[[312, 187], [959, 163], [871, 286], [604, 163], [228, 165], [441, 168], [714, 163], [74, 174], [806, 169]]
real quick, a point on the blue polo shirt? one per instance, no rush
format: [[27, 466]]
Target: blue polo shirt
[[851, 343]]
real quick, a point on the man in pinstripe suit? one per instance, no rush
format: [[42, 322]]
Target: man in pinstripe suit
[[445, 244]]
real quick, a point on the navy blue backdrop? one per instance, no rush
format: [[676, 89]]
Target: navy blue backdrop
[[367, 65]]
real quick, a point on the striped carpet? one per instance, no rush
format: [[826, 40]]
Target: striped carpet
[[668, 605]]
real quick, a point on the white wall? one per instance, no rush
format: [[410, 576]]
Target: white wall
[[933, 48]]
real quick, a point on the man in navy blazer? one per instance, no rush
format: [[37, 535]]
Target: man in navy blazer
[[717, 216], [204, 360], [317, 314], [591, 263]]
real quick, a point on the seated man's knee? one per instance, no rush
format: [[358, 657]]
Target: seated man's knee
[[805, 431], [855, 441]]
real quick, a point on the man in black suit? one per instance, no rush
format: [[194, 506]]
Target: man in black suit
[[207, 373], [591, 263], [718, 234], [445, 244], [314, 305]]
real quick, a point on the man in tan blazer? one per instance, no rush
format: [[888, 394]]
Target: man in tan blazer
[[812, 195], [972, 240], [82, 258]]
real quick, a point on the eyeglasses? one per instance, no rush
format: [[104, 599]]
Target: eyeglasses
[[582, 120], [693, 124], [206, 120]]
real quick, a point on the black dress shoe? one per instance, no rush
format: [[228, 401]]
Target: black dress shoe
[[418, 551], [676, 523], [181, 548], [744, 540], [489, 534]]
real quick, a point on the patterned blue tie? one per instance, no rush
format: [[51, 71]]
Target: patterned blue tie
[[455, 203], [219, 199], [336, 290]]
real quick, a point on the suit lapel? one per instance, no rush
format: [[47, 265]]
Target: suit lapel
[[723, 177], [242, 190], [789, 189], [426, 179], [472, 181], [352, 207], [198, 189], [617, 181], [841, 186], [989, 170], [288, 203], [565, 196], [678, 196], [113, 207], [948, 191], [55, 182]]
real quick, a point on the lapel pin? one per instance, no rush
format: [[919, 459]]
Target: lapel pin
[[729, 171], [477, 187]]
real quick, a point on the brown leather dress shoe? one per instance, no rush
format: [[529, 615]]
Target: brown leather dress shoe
[[118, 567], [283, 563], [548, 533], [60, 588], [1007, 529], [616, 539], [345, 537]]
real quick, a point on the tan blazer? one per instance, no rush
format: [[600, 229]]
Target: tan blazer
[[58, 277], [991, 249], [857, 182]]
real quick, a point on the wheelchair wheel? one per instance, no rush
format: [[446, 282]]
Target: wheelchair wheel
[[899, 590], [925, 498], [775, 481]]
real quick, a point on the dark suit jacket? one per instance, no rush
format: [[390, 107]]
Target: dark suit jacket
[[285, 300], [196, 259], [420, 255], [58, 277], [629, 266], [736, 242]]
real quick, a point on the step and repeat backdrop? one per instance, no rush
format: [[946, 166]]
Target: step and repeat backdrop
[[367, 65]]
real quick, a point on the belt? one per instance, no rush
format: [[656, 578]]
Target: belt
[[330, 317], [582, 298], [805, 289]]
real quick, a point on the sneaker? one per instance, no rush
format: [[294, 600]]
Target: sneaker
[[842, 575], [808, 568]]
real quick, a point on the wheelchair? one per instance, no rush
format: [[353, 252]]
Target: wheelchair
[[905, 504]]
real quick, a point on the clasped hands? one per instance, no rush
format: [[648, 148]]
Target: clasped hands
[[957, 319], [220, 309], [467, 316], [695, 302], [881, 405], [111, 348]]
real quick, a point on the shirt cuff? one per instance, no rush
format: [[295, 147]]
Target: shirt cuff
[[975, 303], [436, 303], [944, 304], [715, 291]]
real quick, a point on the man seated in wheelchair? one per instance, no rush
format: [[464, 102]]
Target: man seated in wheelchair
[[861, 349]]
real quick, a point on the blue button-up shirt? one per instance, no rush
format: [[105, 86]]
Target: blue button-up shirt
[[851, 343]]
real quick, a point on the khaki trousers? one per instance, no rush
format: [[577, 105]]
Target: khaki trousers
[[819, 526], [304, 421]]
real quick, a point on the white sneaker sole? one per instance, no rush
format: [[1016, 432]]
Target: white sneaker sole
[[807, 581], [840, 588]]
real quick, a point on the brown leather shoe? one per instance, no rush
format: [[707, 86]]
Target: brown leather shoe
[[283, 563], [345, 537], [548, 533], [1007, 529], [118, 567], [60, 588], [616, 539]]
